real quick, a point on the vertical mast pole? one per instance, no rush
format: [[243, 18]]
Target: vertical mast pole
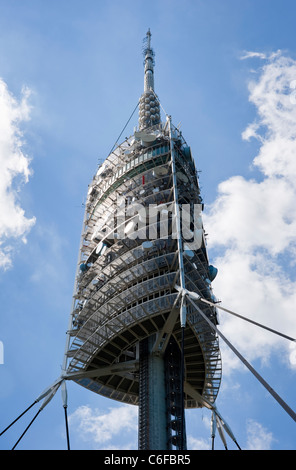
[[149, 65], [182, 275], [178, 224]]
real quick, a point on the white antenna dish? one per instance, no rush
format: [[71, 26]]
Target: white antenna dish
[[160, 171], [99, 247], [103, 250], [129, 227]]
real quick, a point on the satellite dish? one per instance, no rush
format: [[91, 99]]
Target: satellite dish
[[129, 227], [103, 250], [182, 177], [99, 247], [101, 169], [148, 138], [145, 137], [147, 245], [90, 190], [212, 272], [160, 171]]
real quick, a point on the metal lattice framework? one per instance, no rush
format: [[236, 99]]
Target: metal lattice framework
[[132, 337], [124, 291]]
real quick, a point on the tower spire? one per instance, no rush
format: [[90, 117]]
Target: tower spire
[[149, 109], [149, 63]]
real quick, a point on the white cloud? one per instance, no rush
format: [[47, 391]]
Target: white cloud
[[103, 428], [258, 437], [251, 55], [248, 215], [253, 223], [198, 443], [15, 171]]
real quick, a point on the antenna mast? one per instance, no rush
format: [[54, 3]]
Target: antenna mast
[[148, 63], [149, 108]]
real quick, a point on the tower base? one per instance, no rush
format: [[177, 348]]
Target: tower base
[[161, 411]]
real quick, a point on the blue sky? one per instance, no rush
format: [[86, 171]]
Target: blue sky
[[71, 72]]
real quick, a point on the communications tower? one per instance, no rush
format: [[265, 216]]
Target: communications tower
[[133, 336], [143, 325]]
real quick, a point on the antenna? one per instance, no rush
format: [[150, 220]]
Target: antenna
[[148, 63], [149, 108]]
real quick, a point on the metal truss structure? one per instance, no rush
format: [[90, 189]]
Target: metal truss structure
[[131, 334]]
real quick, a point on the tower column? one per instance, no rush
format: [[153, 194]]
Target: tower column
[[161, 410], [153, 433]]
